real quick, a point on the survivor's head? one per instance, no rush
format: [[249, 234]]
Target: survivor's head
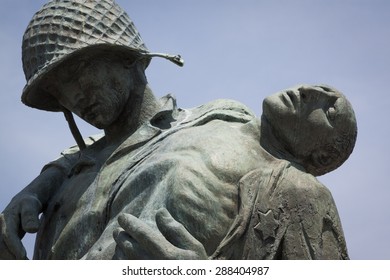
[[313, 126]]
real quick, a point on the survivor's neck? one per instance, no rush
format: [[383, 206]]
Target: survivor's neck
[[271, 143], [141, 106]]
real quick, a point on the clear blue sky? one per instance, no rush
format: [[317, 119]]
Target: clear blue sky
[[243, 50]]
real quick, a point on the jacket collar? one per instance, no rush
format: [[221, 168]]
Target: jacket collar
[[164, 119]]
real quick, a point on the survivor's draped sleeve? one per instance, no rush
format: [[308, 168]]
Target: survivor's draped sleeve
[[284, 214]]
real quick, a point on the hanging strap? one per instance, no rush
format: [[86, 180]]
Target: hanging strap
[[74, 129]]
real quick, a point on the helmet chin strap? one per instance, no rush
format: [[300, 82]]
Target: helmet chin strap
[[74, 129], [172, 58]]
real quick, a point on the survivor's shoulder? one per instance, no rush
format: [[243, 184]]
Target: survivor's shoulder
[[303, 184]]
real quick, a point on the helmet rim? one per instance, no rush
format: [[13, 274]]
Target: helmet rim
[[35, 96], [65, 29]]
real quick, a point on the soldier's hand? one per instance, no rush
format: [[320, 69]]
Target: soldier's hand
[[137, 240], [19, 217]]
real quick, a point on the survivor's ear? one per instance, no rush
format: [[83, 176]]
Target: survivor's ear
[[320, 159], [318, 163]]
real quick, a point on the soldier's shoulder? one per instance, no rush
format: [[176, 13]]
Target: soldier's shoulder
[[224, 109]]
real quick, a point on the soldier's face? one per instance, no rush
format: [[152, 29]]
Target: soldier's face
[[96, 91], [305, 118]]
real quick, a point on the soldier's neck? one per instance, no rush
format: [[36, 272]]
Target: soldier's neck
[[141, 106]]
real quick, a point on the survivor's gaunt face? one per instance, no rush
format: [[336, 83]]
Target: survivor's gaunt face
[[305, 117], [95, 90]]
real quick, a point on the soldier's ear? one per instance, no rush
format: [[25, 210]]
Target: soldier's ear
[[128, 63]]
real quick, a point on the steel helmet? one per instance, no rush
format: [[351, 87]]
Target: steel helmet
[[63, 29]]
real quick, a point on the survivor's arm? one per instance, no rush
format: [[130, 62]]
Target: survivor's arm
[[314, 229]]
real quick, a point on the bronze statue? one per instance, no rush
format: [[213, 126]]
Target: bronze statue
[[163, 182]]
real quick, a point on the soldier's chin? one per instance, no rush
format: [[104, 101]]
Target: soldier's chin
[[100, 125], [96, 122]]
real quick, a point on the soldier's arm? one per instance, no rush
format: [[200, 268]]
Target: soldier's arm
[[22, 213], [136, 240]]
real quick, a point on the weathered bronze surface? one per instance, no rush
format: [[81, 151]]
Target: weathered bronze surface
[[162, 182]]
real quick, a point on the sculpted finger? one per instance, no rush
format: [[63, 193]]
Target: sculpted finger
[[175, 232], [148, 238], [5, 254], [11, 239], [30, 211], [121, 252], [127, 248]]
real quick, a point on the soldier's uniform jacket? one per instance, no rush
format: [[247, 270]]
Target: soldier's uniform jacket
[[206, 166]]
